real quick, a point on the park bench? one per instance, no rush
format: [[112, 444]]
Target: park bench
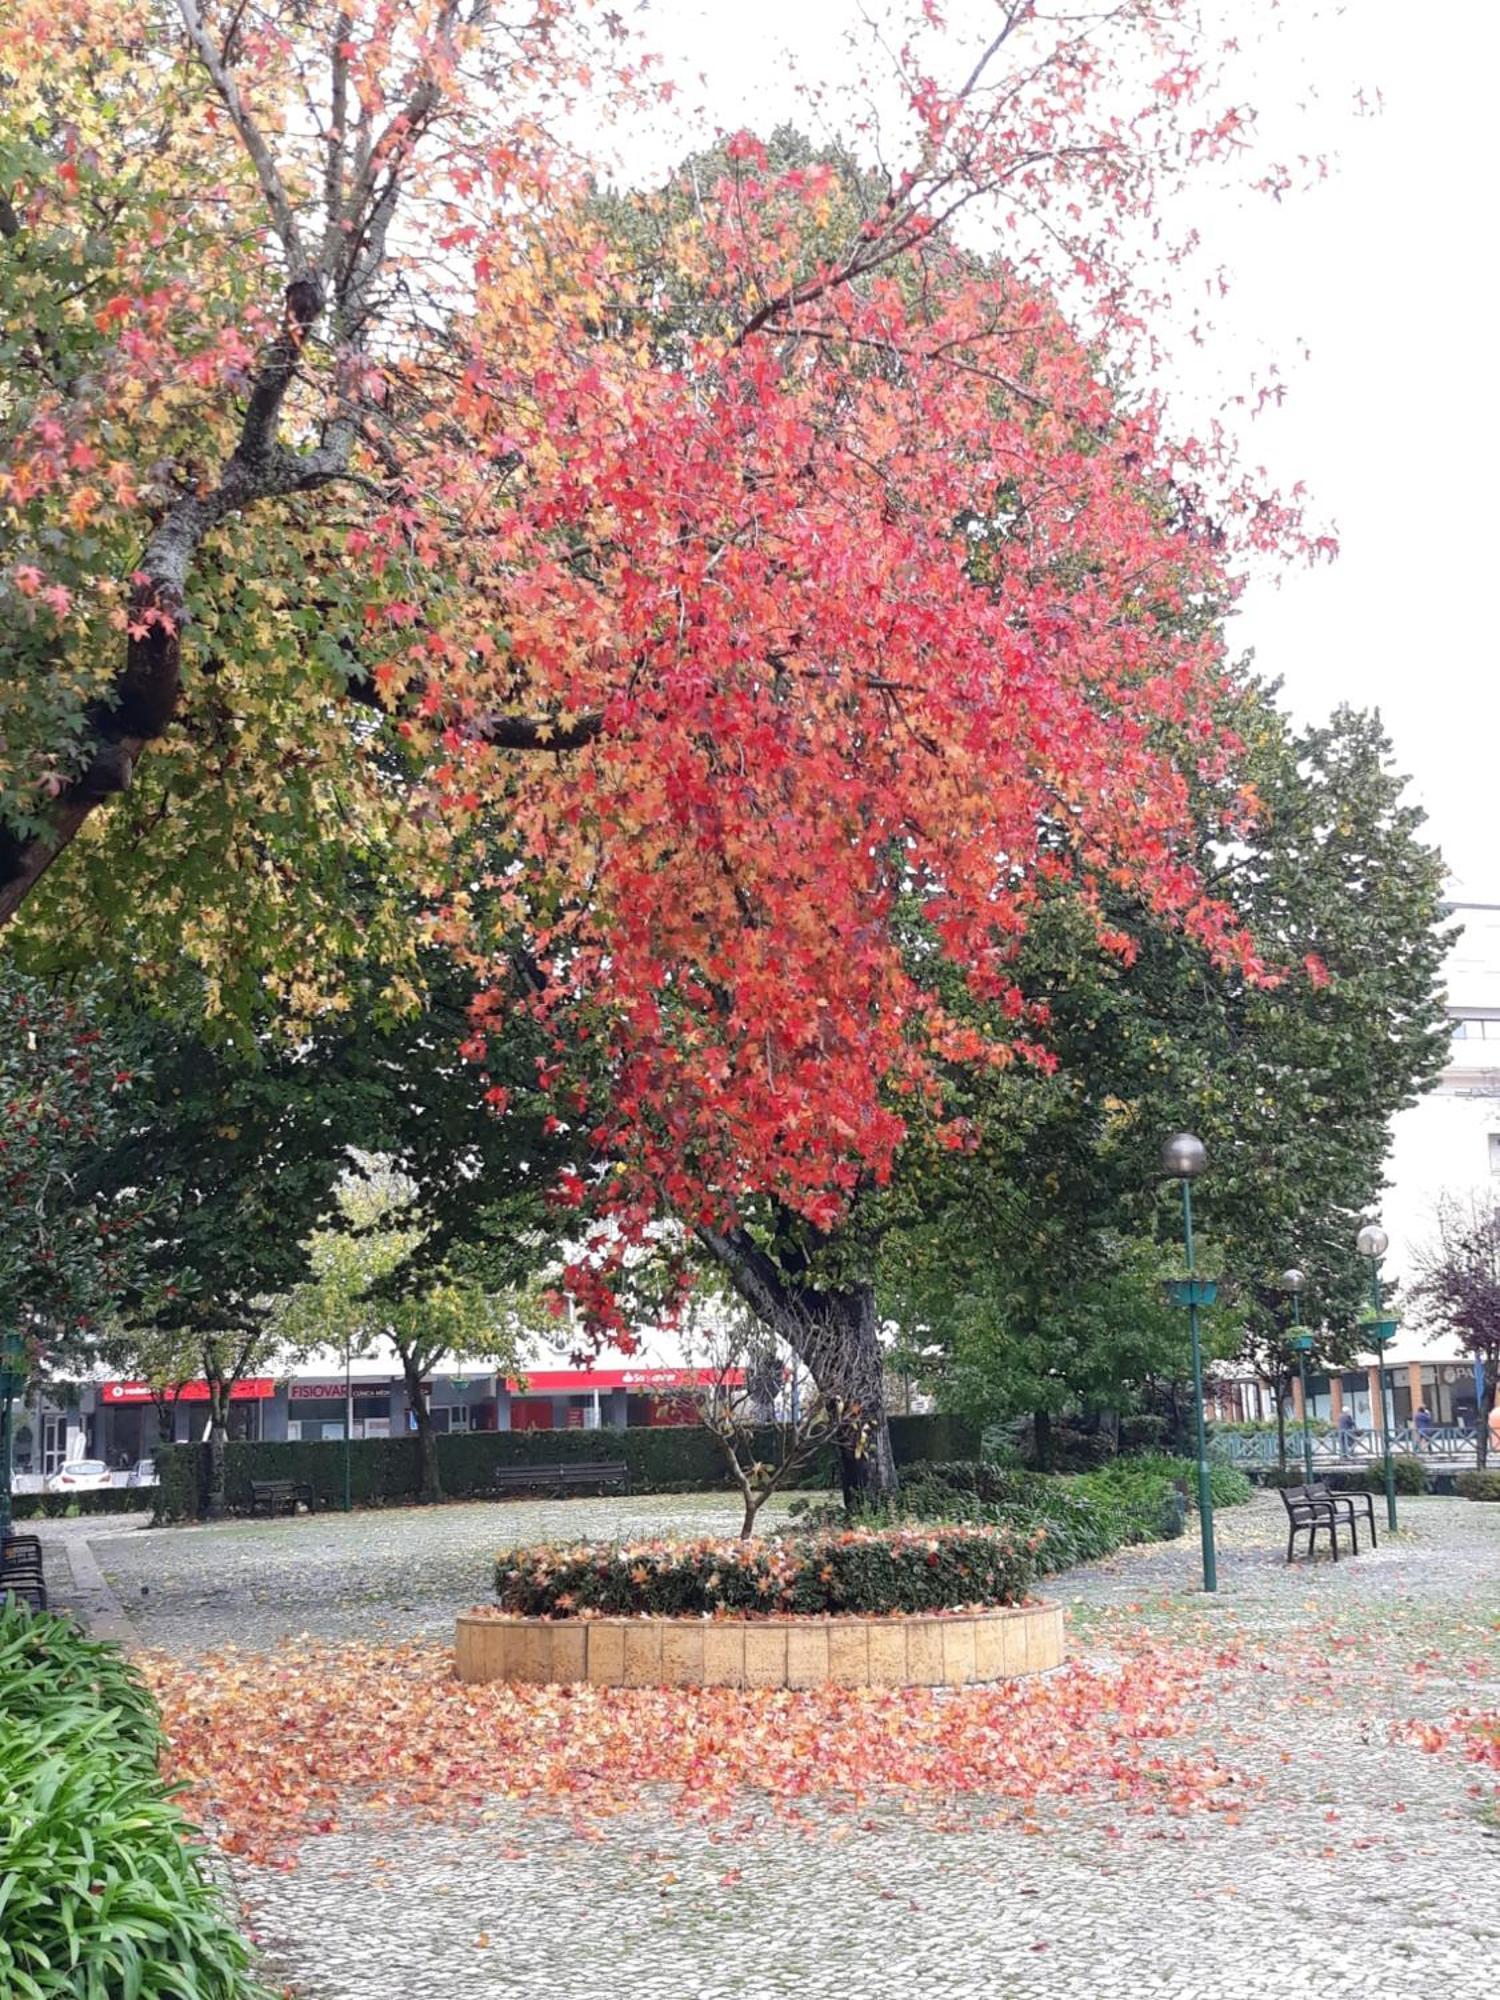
[[1306, 1513], [582, 1476], [279, 1496], [21, 1571], [1345, 1506]]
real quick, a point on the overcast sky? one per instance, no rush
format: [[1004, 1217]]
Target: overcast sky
[[1385, 273]]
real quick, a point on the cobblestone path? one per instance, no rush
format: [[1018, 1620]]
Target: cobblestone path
[[1361, 1865]]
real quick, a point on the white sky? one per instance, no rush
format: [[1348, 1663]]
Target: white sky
[[1386, 273]]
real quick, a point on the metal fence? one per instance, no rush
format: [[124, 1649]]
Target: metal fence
[[1450, 1444]]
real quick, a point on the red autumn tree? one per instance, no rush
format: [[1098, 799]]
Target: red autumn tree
[[720, 588]]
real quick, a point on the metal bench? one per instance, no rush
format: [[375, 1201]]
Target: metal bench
[[21, 1571], [1346, 1505], [1306, 1513], [610, 1475], [280, 1496]]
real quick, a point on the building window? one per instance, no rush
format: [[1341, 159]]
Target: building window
[[1474, 1028]]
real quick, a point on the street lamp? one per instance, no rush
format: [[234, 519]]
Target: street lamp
[[1372, 1242], [1183, 1158], [1295, 1282], [12, 1382]]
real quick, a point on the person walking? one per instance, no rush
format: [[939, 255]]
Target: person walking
[[1423, 1426], [1346, 1431]]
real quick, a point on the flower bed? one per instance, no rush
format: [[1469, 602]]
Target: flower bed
[[870, 1572]]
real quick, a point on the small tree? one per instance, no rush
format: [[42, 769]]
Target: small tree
[[1458, 1290], [766, 1430], [370, 1281]]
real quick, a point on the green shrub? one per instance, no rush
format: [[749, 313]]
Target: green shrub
[[64, 1506], [1227, 1485], [1411, 1474], [103, 1897], [1478, 1485], [862, 1570]]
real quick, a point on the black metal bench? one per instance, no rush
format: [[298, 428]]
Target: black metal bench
[[610, 1475], [1306, 1513], [21, 1571], [280, 1496], [1345, 1505]]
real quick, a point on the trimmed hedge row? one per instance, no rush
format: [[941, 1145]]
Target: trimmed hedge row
[[107, 1500], [678, 1458], [1478, 1485], [870, 1571], [103, 1895]]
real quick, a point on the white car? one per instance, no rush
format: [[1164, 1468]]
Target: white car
[[84, 1475], [142, 1473]]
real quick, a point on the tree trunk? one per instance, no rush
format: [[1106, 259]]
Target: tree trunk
[[837, 1337], [1482, 1436], [218, 1439], [1041, 1439], [432, 1478]]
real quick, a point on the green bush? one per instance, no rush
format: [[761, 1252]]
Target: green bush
[[1078, 1519], [1478, 1485], [108, 1500], [1227, 1485], [861, 1570], [665, 1458], [1411, 1474], [103, 1898]]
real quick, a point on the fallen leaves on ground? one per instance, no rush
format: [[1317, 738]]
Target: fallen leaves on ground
[[274, 1748], [1475, 1734]]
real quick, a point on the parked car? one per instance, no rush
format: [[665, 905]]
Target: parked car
[[84, 1475], [142, 1473]]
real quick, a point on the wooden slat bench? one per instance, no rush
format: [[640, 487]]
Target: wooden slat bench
[[280, 1496], [604, 1475]]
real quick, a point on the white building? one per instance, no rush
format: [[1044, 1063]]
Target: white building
[[1448, 1144]]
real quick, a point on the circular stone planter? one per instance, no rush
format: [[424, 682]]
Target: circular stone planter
[[949, 1650]]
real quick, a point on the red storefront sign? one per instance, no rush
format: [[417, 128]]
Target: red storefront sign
[[254, 1389], [643, 1381]]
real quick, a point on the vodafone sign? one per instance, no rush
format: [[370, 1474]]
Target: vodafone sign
[[254, 1389]]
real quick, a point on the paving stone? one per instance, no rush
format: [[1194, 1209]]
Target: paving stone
[[1377, 1902]]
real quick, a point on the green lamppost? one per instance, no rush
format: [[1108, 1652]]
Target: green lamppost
[[12, 1382], [1295, 1282], [1183, 1158], [1372, 1242]]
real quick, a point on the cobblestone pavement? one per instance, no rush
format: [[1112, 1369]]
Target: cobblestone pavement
[[396, 1573], [1360, 1866]]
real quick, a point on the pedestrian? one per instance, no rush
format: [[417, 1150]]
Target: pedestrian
[[1346, 1431], [1422, 1425], [1494, 1427]]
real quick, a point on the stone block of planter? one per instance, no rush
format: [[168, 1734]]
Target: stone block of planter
[[939, 1649]]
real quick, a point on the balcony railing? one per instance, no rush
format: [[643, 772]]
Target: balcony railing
[[1450, 1444]]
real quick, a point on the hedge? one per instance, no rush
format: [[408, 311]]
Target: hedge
[[1071, 1520], [872, 1571], [103, 1894], [1479, 1485], [106, 1500], [676, 1458]]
